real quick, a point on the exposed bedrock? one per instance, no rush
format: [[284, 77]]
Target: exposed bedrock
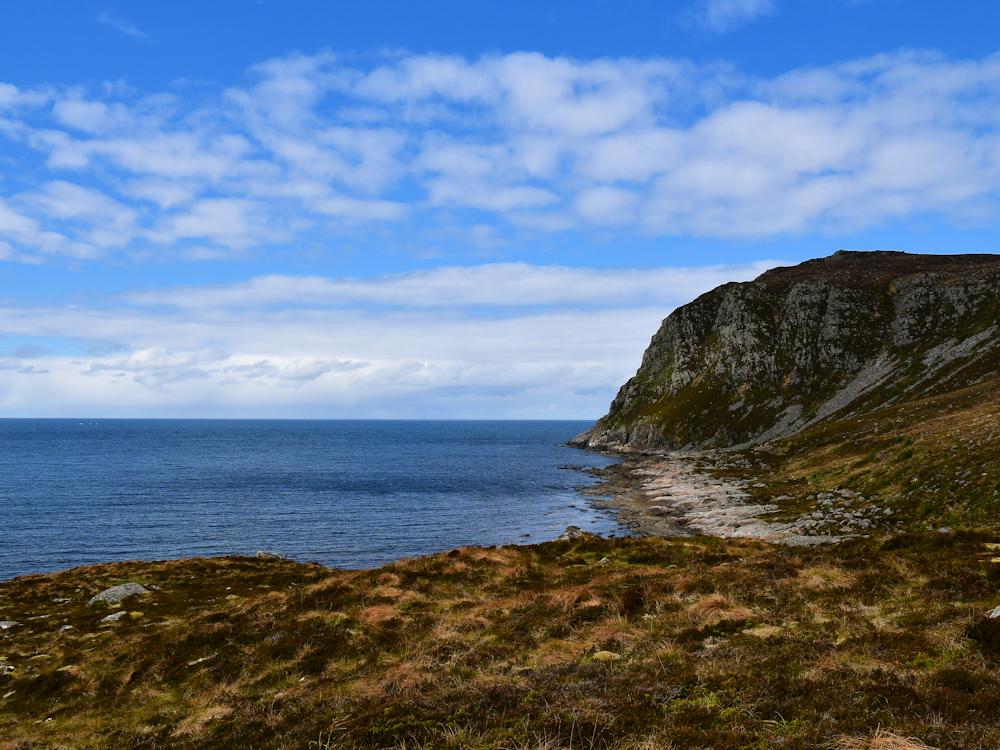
[[824, 340]]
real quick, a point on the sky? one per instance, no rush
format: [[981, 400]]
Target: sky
[[292, 209]]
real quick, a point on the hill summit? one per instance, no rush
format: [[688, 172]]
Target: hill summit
[[826, 340]]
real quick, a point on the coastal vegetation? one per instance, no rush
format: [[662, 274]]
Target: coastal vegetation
[[583, 643]]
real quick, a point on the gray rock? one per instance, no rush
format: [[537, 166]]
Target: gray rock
[[114, 617], [994, 614], [571, 533], [8, 624], [263, 555], [118, 594]]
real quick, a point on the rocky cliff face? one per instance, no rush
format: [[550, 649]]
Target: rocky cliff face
[[824, 340]]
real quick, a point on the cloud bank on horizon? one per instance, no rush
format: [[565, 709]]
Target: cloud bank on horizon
[[513, 340], [315, 149]]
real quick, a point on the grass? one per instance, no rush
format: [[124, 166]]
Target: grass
[[932, 462], [694, 643]]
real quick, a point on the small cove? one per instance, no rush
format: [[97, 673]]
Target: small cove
[[343, 493]]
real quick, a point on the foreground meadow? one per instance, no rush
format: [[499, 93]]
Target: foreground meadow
[[589, 643]]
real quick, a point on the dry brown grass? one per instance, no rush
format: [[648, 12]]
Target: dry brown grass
[[387, 592], [408, 676], [715, 608], [378, 614], [567, 598], [614, 630], [474, 661], [557, 652], [196, 722], [326, 583], [824, 578], [880, 739]]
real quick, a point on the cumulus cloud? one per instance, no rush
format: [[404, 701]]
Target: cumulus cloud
[[107, 222], [317, 144], [11, 96], [230, 222]]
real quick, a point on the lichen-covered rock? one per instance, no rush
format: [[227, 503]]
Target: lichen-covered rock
[[607, 656], [827, 339], [118, 594]]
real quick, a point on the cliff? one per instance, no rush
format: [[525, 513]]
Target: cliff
[[823, 341]]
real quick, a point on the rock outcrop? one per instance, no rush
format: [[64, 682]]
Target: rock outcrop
[[824, 340], [118, 594]]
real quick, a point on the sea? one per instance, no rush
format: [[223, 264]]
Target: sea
[[346, 494]]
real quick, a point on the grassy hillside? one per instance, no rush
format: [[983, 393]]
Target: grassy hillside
[[632, 643], [933, 461]]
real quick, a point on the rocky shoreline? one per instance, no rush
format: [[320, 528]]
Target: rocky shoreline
[[681, 493]]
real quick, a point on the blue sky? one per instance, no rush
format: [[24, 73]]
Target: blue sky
[[450, 209]]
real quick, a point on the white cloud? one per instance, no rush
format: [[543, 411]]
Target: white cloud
[[335, 364], [229, 222], [109, 19], [427, 76], [358, 209], [494, 284], [580, 99], [16, 225], [8, 95], [90, 116], [18, 230], [721, 16], [11, 96], [607, 205], [109, 221], [164, 193], [556, 342], [487, 196], [314, 144]]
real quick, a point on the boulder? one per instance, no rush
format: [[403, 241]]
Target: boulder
[[118, 594]]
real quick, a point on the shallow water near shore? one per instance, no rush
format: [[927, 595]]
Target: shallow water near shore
[[342, 493]]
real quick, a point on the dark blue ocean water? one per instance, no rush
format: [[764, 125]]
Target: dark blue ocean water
[[343, 493]]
